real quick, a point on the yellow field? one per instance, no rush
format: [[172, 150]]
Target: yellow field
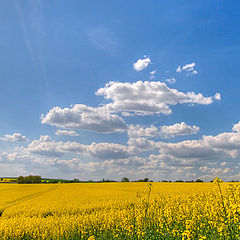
[[120, 211], [7, 180]]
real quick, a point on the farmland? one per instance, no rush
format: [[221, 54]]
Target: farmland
[[120, 211], [7, 180]]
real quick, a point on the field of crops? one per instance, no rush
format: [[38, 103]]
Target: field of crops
[[8, 180], [120, 211]]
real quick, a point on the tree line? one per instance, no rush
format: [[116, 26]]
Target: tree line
[[29, 179], [125, 179], [39, 179]]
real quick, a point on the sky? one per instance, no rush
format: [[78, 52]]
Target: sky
[[112, 89]]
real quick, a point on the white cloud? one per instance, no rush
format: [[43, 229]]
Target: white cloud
[[142, 144], [178, 69], [217, 96], [66, 132], [224, 145], [141, 64], [236, 127], [12, 170], [152, 74], [188, 68], [15, 137], [76, 164], [144, 98], [192, 150], [80, 116], [138, 98], [223, 164], [45, 146], [45, 138], [109, 150], [139, 131], [214, 170], [209, 148], [171, 80], [161, 159], [116, 168], [179, 129], [194, 72]]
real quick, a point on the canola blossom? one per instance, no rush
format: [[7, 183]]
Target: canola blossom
[[120, 211]]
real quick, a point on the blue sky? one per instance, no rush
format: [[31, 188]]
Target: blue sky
[[94, 89]]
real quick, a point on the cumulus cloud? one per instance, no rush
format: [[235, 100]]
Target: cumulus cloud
[[109, 150], [217, 96], [142, 144], [236, 127], [15, 137], [77, 164], [66, 132], [140, 131], [188, 68], [80, 116], [145, 98], [191, 150], [114, 167], [141, 64], [171, 80], [128, 99], [184, 157], [45, 146], [21, 156], [223, 146], [215, 170], [179, 129], [223, 164]]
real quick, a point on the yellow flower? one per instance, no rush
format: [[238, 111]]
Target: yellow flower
[[91, 238], [217, 180]]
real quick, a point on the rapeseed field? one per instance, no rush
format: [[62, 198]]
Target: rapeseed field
[[120, 211]]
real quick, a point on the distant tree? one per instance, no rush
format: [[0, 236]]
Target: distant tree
[[107, 180], [143, 180], [29, 179], [199, 180], [125, 179], [21, 179], [53, 181]]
